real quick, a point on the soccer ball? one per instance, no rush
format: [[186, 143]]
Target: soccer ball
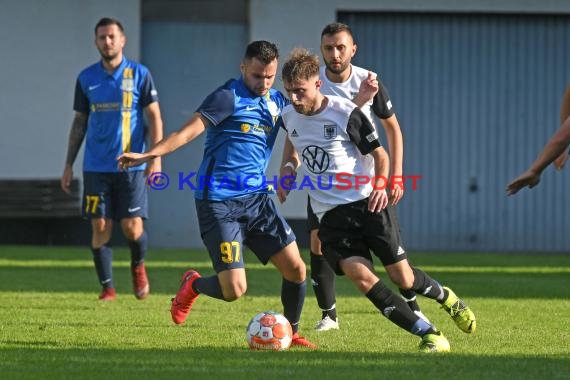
[[269, 331]]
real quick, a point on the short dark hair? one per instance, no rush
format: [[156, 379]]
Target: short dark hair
[[105, 21], [336, 27], [301, 65], [265, 51]]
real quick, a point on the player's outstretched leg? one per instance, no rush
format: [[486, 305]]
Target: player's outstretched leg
[[397, 311], [185, 298], [455, 307], [461, 314]]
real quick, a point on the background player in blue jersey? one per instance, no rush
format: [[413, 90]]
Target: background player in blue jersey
[[241, 119], [110, 98]]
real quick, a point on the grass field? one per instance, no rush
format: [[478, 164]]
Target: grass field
[[52, 326]]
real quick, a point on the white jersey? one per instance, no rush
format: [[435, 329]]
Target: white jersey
[[380, 105], [333, 146]]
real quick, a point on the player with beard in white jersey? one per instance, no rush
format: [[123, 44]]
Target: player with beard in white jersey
[[340, 77], [332, 137]]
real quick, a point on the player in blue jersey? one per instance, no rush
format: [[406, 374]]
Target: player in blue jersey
[[110, 99], [241, 120]]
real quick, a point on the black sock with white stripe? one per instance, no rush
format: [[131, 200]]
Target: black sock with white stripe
[[410, 298], [427, 286], [293, 298], [323, 281], [395, 309]]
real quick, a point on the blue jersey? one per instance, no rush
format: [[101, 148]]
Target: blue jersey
[[114, 103], [239, 140]]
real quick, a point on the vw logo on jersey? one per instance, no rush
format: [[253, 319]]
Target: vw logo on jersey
[[316, 159]]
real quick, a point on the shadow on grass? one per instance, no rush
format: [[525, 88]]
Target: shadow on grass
[[165, 268], [35, 362], [262, 282]]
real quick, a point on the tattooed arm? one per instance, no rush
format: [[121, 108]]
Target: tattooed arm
[[76, 136]]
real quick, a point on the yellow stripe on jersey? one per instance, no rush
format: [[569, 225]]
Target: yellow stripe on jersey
[[127, 105], [126, 135], [127, 99]]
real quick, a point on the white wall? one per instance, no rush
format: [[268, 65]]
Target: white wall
[[295, 23], [45, 43], [43, 47]]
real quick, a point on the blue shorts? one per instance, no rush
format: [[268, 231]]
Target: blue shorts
[[253, 220], [115, 195]]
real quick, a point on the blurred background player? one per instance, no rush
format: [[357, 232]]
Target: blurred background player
[[340, 77], [553, 150], [560, 161], [110, 98], [241, 119]]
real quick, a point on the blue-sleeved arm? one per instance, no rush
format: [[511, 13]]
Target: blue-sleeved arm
[[218, 106], [80, 101], [148, 92]]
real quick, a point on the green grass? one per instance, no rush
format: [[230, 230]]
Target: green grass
[[52, 326]]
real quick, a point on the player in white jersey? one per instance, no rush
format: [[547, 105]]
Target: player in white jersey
[[347, 173], [340, 77]]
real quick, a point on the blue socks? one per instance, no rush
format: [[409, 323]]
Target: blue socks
[[209, 286], [138, 249], [103, 259]]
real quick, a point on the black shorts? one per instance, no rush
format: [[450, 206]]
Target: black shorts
[[312, 220], [351, 230]]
